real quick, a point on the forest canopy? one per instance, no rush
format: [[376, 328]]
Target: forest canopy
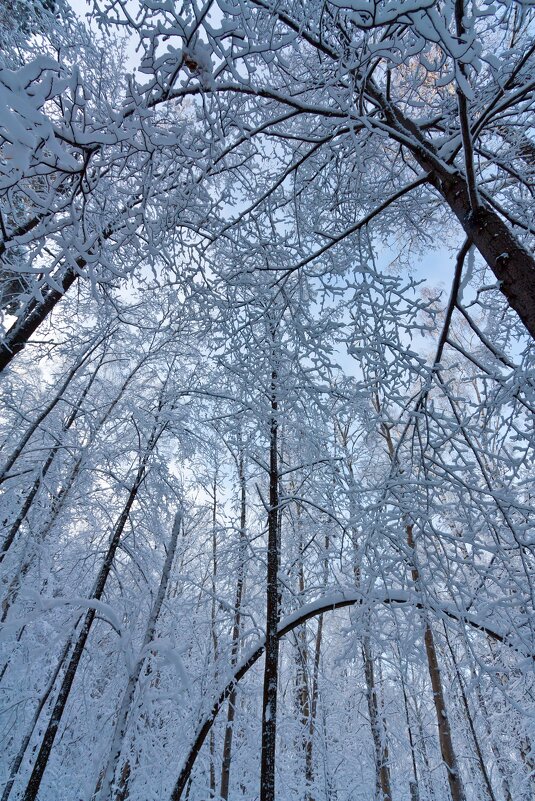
[[267, 381]]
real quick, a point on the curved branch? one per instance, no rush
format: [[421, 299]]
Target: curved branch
[[337, 600]]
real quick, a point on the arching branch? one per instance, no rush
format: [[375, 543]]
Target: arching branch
[[336, 600]]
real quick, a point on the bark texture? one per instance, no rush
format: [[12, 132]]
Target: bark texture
[[271, 669]]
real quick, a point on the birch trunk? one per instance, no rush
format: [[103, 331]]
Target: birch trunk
[[106, 789], [43, 755], [231, 711]]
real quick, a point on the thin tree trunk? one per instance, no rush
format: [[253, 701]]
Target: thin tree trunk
[[37, 312], [314, 691], [383, 788], [12, 533], [59, 500], [205, 724], [31, 728], [231, 711], [30, 431], [301, 680], [414, 787], [444, 731], [382, 779], [213, 624], [41, 761], [481, 762], [269, 705], [309, 752], [427, 772], [302, 699], [525, 750], [499, 760], [105, 791]]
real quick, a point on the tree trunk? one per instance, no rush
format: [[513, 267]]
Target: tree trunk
[[428, 771], [61, 496], [31, 729], [344, 602], [269, 705], [302, 689], [383, 789], [10, 461], [512, 264], [382, 770], [444, 731], [499, 759], [213, 624], [523, 146], [231, 711], [12, 533], [106, 789], [314, 695], [489, 792], [41, 761], [37, 312], [314, 691], [414, 786]]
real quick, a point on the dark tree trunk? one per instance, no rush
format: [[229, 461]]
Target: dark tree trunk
[[382, 778], [488, 791], [43, 755], [377, 722], [414, 785], [31, 728], [444, 732], [499, 759], [206, 724], [314, 695], [269, 705], [59, 501], [512, 264], [314, 690], [37, 312], [213, 625]]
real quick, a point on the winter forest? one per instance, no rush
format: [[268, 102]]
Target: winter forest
[[267, 307]]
